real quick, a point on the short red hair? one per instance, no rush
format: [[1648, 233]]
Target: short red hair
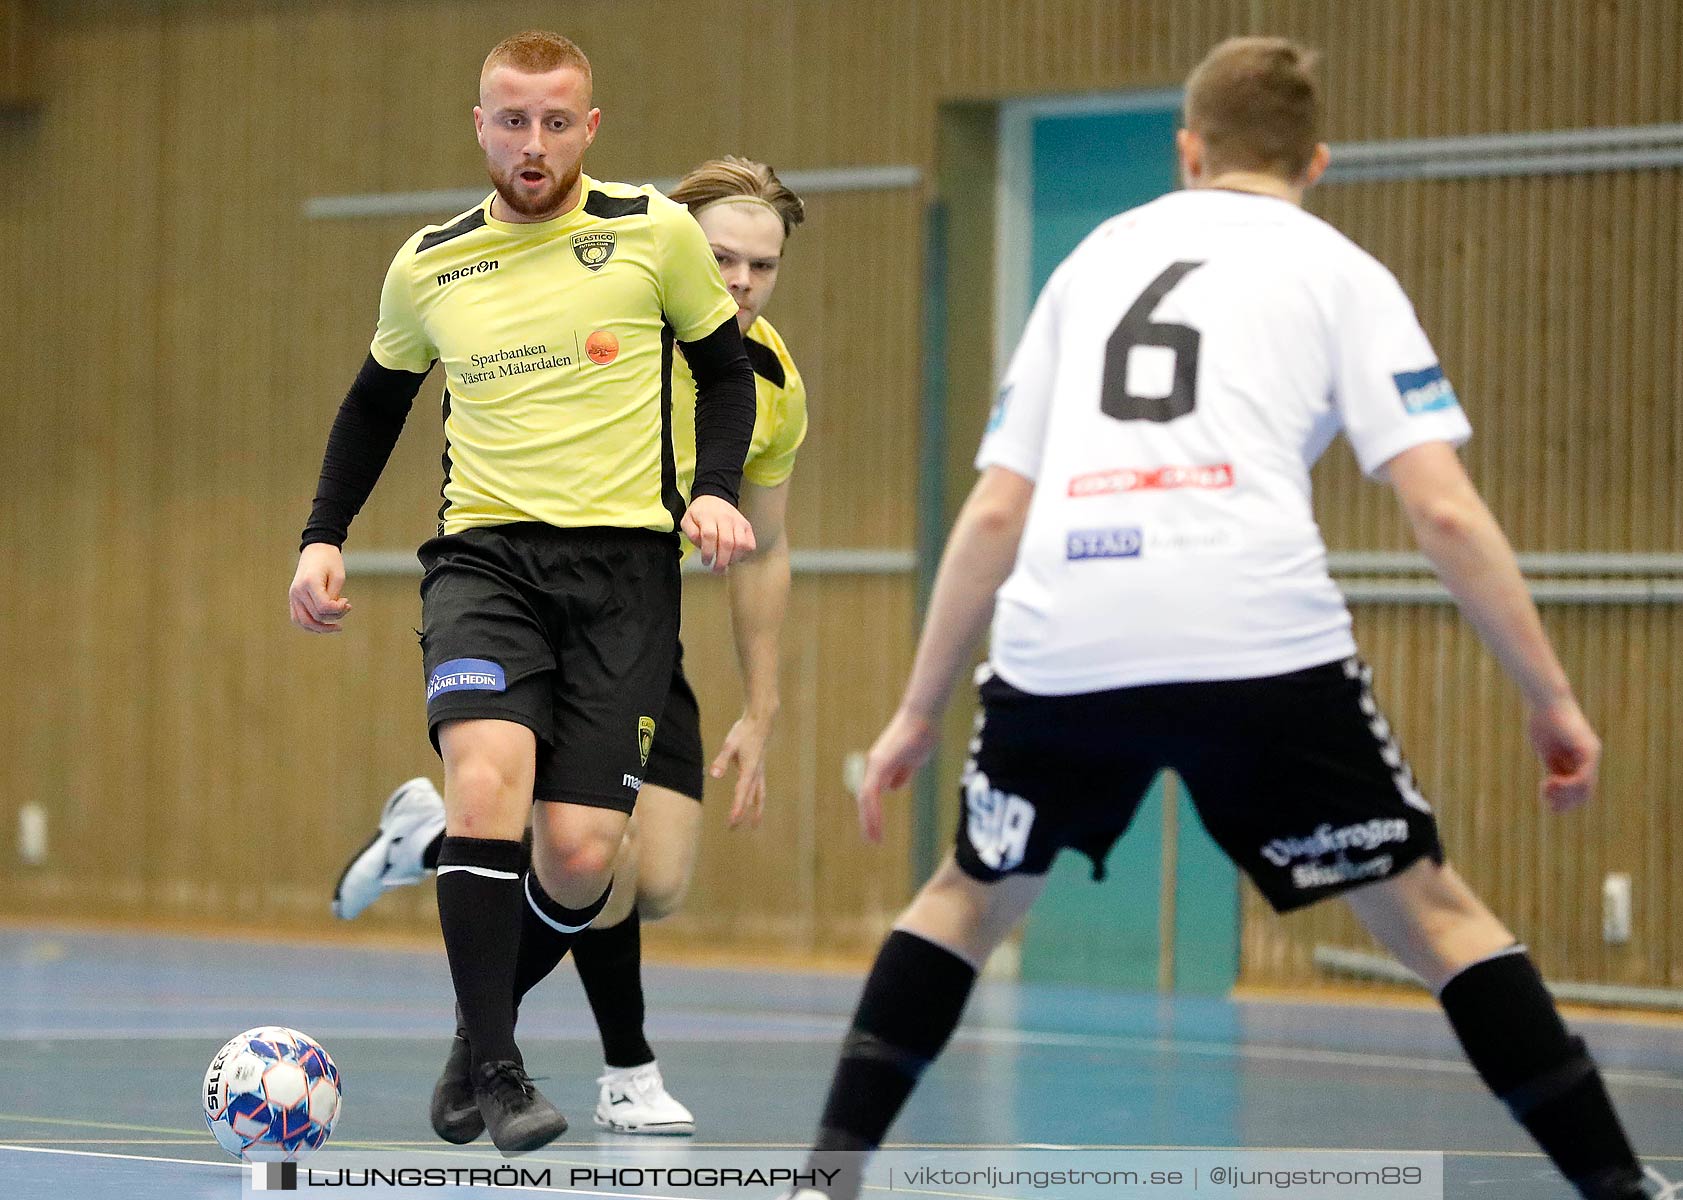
[[536, 52]]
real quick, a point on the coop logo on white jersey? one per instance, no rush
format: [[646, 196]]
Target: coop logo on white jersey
[[1151, 479], [998, 823]]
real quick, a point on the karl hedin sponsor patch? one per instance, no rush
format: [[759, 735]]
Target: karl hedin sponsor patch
[[466, 675], [1425, 391]]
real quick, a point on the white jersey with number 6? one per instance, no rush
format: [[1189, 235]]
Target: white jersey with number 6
[[1179, 375]]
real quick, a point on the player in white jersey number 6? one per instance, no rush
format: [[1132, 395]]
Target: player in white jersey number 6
[[1163, 601]]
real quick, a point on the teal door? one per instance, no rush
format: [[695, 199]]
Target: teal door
[[1134, 930]]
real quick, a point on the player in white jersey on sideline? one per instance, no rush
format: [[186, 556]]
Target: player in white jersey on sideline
[[1163, 601]]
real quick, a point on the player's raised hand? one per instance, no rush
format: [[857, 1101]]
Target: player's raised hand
[[314, 596], [745, 745], [901, 748], [722, 534], [1571, 754]]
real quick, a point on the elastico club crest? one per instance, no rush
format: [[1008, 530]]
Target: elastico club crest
[[593, 249], [645, 727]]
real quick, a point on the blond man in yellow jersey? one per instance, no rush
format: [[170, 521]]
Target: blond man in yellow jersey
[[746, 214], [550, 600]]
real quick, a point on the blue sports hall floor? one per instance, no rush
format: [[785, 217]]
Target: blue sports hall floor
[[104, 1039]]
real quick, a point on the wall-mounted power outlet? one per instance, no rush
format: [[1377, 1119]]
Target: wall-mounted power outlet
[[32, 834], [1615, 909]]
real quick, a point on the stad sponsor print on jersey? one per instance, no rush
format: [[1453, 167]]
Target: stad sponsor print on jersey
[[1134, 541], [1425, 391], [1124, 541], [1210, 477]]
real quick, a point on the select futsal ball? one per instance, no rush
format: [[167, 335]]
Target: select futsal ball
[[271, 1094], [602, 347]]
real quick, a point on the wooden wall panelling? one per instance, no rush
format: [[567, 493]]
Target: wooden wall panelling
[[20, 71], [176, 367]]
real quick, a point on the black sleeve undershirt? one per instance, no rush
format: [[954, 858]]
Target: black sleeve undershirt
[[364, 432], [724, 411]]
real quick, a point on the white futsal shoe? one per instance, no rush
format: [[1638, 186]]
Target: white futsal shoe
[[412, 817], [635, 1100]]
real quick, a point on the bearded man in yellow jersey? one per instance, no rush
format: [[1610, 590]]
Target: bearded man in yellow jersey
[[746, 213], [550, 600]]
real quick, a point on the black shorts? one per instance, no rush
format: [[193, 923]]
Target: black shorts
[[569, 632], [675, 762], [1296, 777]]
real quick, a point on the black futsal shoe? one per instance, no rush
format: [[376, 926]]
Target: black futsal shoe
[[455, 1112], [519, 1116]]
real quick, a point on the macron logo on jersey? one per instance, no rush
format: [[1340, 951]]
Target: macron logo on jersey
[[478, 268], [1151, 479], [466, 675], [1125, 542], [1425, 391]]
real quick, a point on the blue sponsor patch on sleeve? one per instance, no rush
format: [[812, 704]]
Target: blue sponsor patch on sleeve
[[996, 418], [466, 675], [1425, 391]]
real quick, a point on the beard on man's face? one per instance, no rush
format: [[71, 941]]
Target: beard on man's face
[[527, 201]]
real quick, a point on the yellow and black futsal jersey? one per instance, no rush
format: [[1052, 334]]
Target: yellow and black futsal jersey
[[779, 411], [556, 340]]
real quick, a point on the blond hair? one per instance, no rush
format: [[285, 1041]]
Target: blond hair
[[1257, 106], [733, 178], [536, 52]]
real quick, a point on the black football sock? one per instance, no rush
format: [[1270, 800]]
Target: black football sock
[[610, 963], [429, 856], [1514, 1038], [479, 905], [913, 999], [547, 929]]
